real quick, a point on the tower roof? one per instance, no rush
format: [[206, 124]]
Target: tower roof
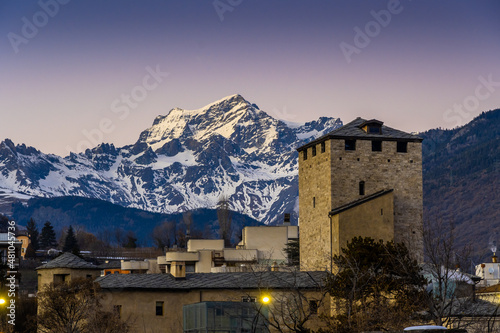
[[357, 129], [68, 260]]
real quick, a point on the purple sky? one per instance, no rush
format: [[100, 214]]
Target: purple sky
[[426, 64]]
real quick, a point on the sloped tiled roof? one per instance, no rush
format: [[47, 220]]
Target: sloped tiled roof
[[353, 130], [245, 280], [68, 260], [359, 202]]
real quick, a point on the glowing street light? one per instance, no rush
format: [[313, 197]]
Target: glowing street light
[[266, 299], [2, 301]]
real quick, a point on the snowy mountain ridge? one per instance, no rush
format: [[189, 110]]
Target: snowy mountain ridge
[[187, 159]]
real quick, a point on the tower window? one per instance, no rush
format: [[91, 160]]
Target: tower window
[[314, 202], [350, 144], [159, 308], [118, 310], [313, 307], [323, 147], [402, 147], [304, 154], [361, 188], [376, 145], [314, 150]]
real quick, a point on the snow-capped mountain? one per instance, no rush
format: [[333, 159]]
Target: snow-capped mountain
[[187, 159]]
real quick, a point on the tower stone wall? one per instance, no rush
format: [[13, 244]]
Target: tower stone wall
[[339, 176]]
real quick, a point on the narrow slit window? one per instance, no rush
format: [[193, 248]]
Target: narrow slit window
[[159, 308], [361, 188], [313, 307], [118, 310], [314, 202], [323, 147], [313, 150], [304, 154]]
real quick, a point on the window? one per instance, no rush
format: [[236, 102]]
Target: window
[[374, 129], [314, 150], [402, 147], [314, 202], [350, 144], [248, 299], [304, 154], [323, 147], [313, 307], [118, 310], [89, 276], [376, 145], [159, 308], [361, 188]]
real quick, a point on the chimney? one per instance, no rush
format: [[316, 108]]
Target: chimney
[[494, 258], [178, 269], [286, 220]]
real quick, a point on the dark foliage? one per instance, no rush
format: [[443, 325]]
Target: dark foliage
[[70, 243], [292, 249], [461, 172], [377, 286], [48, 238], [33, 234], [101, 217]]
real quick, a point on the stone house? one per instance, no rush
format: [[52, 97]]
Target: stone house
[[159, 302], [65, 268]]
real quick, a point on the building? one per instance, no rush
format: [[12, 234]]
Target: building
[[350, 176], [10, 245], [158, 302], [65, 268], [260, 246], [489, 272]]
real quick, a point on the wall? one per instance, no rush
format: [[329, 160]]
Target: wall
[[46, 276], [315, 181], [374, 218], [138, 307], [331, 179]]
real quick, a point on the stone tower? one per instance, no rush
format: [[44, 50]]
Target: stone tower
[[348, 167]]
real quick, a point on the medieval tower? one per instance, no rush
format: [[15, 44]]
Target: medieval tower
[[362, 179]]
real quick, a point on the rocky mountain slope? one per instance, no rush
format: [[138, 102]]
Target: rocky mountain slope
[[186, 160], [461, 173]]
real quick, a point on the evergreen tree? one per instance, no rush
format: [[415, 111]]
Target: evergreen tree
[[70, 243], [292, 249], [48, 238], [33, 234], [131, 242], [30, 252], [4, 223]]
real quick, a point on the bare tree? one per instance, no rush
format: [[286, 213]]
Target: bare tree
[[224, 217], [74, 307], [451, 289], [164, 234]]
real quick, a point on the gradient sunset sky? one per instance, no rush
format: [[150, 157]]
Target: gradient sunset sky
[[418, 64]]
